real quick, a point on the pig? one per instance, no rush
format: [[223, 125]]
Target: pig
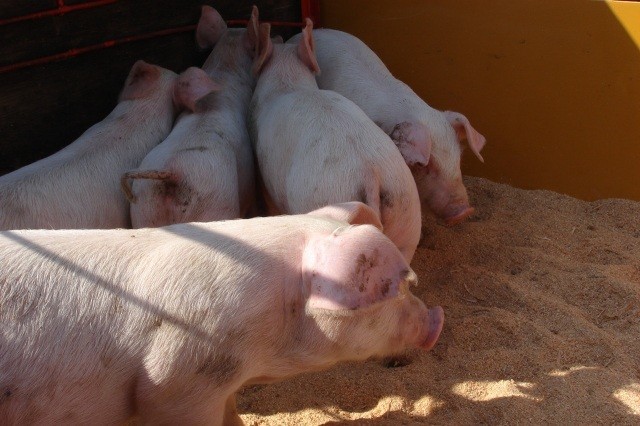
[[428, 139], [79, 186], [164, 325], [315, 147], [203, 171]]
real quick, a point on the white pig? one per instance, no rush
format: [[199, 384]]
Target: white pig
[[79, 186], [315, 147], [203, 171], [428, 139], [164, 325]]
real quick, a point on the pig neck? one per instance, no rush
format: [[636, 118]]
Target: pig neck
[[283, 74], [236, 88], [229, 64], [398, 103]]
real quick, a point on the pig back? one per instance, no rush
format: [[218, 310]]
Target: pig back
[[352, 69], [340, 155]]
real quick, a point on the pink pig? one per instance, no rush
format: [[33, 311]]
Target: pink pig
[[203, 171], [428, 139], [79, 186], [315, 147], [164, 325]]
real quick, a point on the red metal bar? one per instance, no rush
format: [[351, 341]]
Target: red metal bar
[[110, 43], [61, 10], [273, 23], [311, 9]]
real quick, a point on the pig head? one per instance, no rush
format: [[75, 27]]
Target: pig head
[[433, 154], [357, 301]]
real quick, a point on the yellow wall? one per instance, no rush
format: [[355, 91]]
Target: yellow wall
[[553, 85]]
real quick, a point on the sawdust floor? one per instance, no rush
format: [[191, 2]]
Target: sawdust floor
[[541, 294]]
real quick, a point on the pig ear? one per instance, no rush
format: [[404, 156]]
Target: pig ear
[[251, 37], [210, 27], [306, 48], [191, 86], [352, 270], [464, 130], [354, 213], [414, 142], [265, 49], [140, 81]]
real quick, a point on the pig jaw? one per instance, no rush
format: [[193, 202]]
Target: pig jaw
[[380, 331]]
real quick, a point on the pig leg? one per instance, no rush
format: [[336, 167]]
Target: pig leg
[[189, 402]]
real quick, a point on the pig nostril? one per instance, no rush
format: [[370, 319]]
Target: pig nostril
[[396, 361]]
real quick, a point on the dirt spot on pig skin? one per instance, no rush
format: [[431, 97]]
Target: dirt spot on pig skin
[[237, 334], [165, 189], [385, 286], [195, 148], [4, 396], [68, 416], [373, 322], [220, 368], [175, 193], [116, 306], [106, 361], [363, 265], [156, 322], [386, 201], [294, 309]]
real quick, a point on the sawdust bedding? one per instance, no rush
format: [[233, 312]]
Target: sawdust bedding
[[541, 294]]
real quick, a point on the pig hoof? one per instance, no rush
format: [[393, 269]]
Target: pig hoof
[[396, 361], [459, 217], [436, 320]]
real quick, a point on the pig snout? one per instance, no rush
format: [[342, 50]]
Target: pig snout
[[442, 194], [449, 202], [450, 209], [433, 325], [457, 214]]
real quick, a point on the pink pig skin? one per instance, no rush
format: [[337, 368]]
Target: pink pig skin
[[204, 170], [164, 325], [78, 187], [429, 140], [315, 147]]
